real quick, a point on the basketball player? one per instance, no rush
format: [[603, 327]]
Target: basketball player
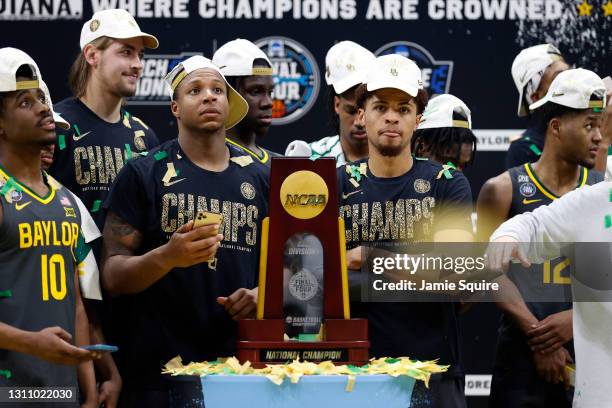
[[533, 70], [445, 133], [249, 71], [180, 289], [43, 322], [345, 66], [534, 343], [393, 185], [103, 135]]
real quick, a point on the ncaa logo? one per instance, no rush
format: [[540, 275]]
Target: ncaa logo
[[296, 78], [152, 90], [527, 190], [436, 74]]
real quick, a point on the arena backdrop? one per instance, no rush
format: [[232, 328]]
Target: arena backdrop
[[463, 47]]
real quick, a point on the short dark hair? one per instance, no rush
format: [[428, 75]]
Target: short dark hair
[[439, 140], [24, 71], [362, 95], [237, 82], [334, 120], [551, 110]]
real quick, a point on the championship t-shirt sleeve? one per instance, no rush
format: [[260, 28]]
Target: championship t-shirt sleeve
[[127, 198], [153, 139], [455, 208]]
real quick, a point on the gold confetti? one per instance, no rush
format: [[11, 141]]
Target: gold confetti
[[276, 373]]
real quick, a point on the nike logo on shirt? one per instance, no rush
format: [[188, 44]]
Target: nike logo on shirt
[[170, 183], [20, 207], [347, 195], [526, 201], [77, 138]]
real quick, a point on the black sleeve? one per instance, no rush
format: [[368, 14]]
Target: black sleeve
[[455, 208], [153, 139], [62, 168], [127, 197], [519, 153]]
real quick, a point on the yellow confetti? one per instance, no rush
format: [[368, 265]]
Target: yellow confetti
[[140, 121], [350, 383], [276, 373], [242, 161]]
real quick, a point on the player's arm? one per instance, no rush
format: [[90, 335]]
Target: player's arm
[[85, 370], [492, 209], [124, 272], [493, 205]]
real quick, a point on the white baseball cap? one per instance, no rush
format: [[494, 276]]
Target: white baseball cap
[[529, 63], [394, 71], [445, 111], [114, 23], [575, 88], [236, 58], [346, 64], [61, 122], [238, 107], [11, 59]]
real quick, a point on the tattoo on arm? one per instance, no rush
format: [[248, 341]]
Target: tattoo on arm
[[120, 238]]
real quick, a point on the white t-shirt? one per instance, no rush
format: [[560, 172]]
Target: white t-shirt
[[89, 275], [578, 216]]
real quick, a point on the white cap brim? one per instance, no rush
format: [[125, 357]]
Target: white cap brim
[[344, 84], [149, 41], [61, 122], [376, 85]]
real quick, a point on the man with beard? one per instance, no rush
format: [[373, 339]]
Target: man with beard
[[249, 71], [42, 319], [345, 66], [103, 135], [424, 200], [535, 334]]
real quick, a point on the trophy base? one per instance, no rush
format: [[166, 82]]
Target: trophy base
[[262, 342]]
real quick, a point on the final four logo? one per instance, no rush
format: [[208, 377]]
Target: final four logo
[[151, 86], [436, 74], [296, 78]]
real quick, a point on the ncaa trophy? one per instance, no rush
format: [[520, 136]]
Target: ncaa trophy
[[303, 304]]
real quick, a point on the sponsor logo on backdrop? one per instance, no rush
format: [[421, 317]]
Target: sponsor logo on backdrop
[[151, 86], [296, 78], [436, 74], [27, 10]]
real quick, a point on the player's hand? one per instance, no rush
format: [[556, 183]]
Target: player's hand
[[501, 251], [551, 333], [189, 246], [551, 366], [242, 304], [353, 258], [53, 344], [109, 391]]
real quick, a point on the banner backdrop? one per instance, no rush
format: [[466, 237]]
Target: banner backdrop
[[463, 47]]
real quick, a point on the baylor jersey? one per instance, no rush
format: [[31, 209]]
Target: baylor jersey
[[38, 237], [549, 283]]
